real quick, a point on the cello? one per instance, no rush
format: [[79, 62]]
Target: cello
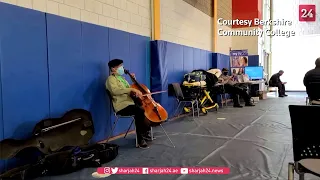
[[153, 111]]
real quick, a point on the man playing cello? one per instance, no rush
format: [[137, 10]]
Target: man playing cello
[[123, 103]]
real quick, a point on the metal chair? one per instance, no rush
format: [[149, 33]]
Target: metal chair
[[117, 116], [117, 119], [181, 99], [306, 143], [223, 96], [310, 102], [224, 99], [313, 91]]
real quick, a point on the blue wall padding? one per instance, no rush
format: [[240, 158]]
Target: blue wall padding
[[220, 61], [120, 46], [196, 58], [148, 64], [50, 64], [95, 55], [169, 63], [159, 71], [24, 73], [175, 62], [253, 60], [2, 163], [138, 58], [188, 57], [65, 65]]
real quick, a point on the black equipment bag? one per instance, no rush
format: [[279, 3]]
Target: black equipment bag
[[191, 92], [211, 79], [27, 172], [65, 161], [194, 76], [77, 158]]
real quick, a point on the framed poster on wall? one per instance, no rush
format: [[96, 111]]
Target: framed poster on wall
[[238, 58]]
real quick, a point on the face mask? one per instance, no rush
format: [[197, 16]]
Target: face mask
[[120, 70], [225, 73]]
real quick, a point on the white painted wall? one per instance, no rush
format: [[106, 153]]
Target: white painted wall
[[295, 55], [183, 24], [246, 42], [224, 43], [128, 15]]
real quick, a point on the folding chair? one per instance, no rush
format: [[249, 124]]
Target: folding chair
[[312, 102], [132, 122], [223, 95], [224, 99], [306, 142], [181, 99], [313, 91], [117, 119]]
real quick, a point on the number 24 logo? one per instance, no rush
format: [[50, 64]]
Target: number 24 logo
[[307, 12]]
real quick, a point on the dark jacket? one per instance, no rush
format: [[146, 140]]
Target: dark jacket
[[312, 76], [275, 80], [312, 82]]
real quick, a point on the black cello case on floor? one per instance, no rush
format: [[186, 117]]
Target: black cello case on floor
[[63, 143]]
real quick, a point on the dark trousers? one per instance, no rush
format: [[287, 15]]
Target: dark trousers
[[235, 91], [141, 126], [281, 88]]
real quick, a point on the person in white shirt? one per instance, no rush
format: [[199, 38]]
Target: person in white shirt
[[235, 91]]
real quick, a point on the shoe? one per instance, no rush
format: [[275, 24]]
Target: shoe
[[250, 104], [285, 95], [237, 106], [143, 144], [281, 96], [147, 137]]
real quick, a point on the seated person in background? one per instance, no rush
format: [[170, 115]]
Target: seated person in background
[[234, 72], [230, 87], [234, 75], [241, 71], [122, 102], [312, 82], [276, 82]]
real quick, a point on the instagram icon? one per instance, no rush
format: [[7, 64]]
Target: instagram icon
[[145, 171], [106, 170]]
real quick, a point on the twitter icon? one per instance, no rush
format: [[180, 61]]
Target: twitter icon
[[114, 170]]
